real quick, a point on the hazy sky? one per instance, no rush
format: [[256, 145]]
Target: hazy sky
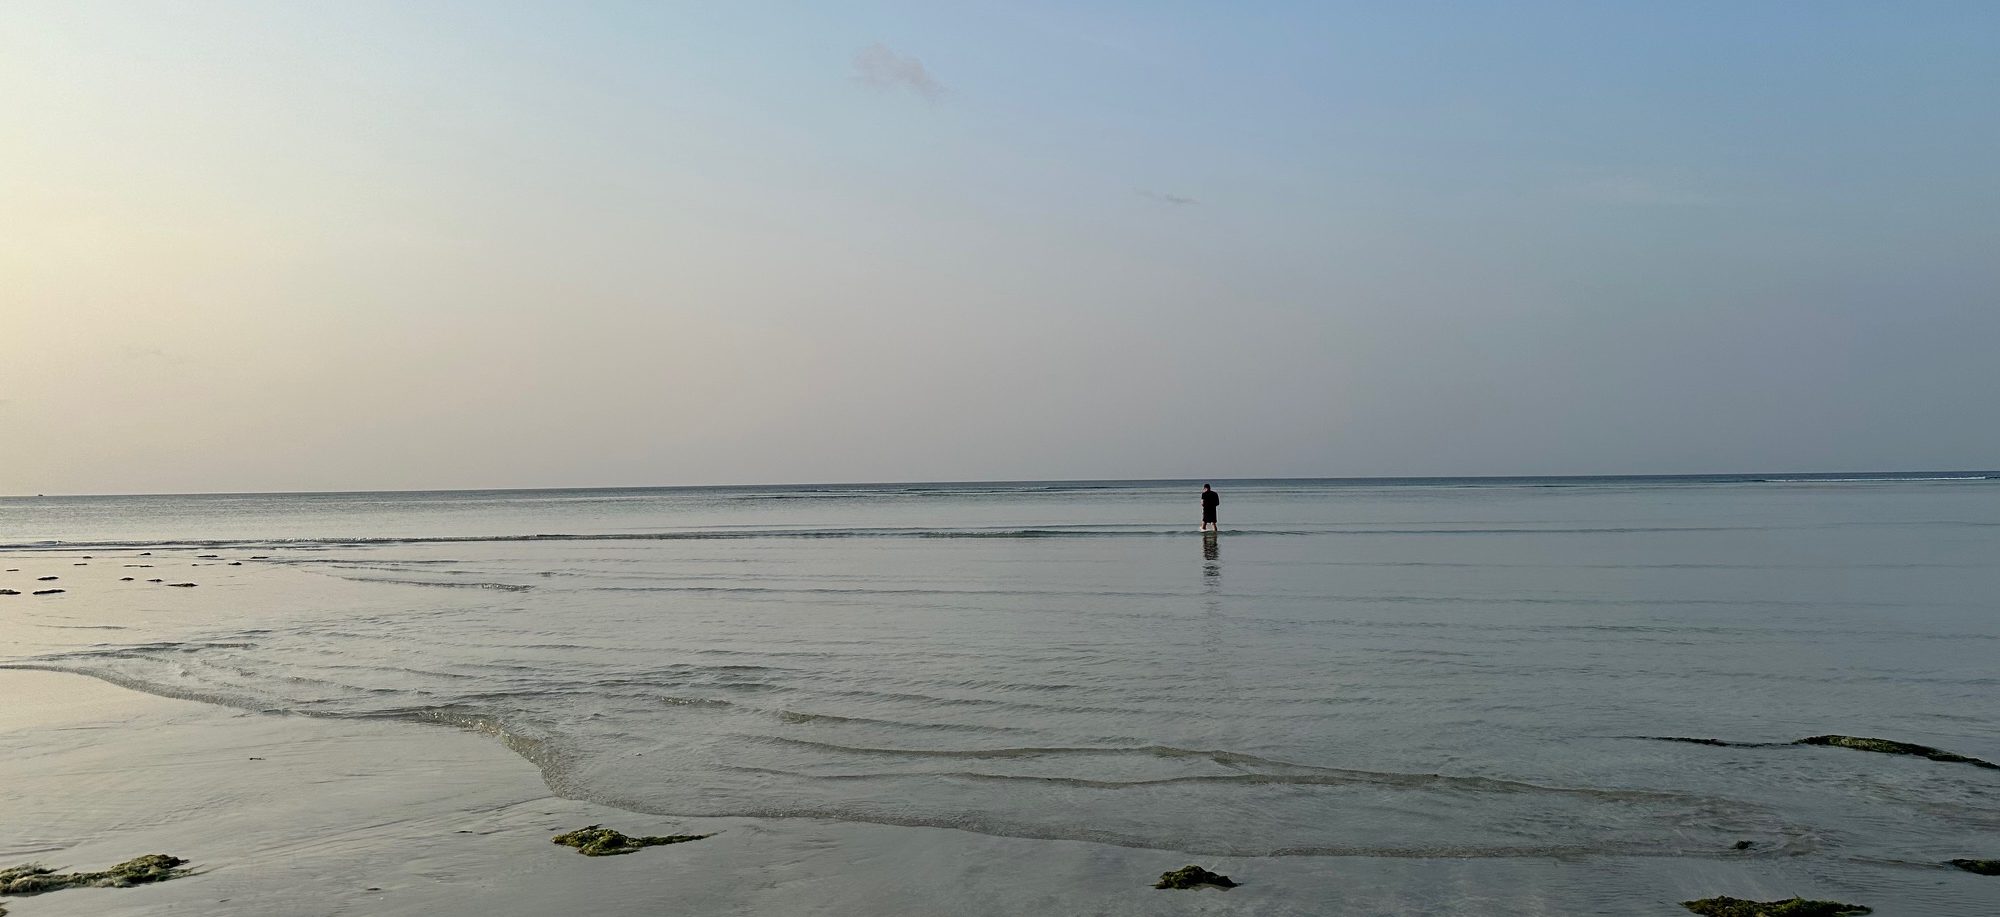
[[288, 246]]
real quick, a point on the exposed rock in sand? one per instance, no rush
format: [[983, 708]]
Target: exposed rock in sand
[[48, 592], [36, 880], [1193, 877], [599, 841]]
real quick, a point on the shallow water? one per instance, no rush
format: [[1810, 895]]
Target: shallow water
[[1392, 669]]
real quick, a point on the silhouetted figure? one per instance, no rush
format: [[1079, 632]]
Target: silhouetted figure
[[1209, 501]]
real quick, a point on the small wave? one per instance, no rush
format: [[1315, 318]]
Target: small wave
[[800, 718], [504, 587], [1349, 778], [1302, 773]]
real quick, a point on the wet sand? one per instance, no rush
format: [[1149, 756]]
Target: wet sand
[[295, 815]]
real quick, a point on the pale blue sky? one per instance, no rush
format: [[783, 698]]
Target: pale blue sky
[[326, 246]]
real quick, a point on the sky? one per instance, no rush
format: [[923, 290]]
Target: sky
[[413, 245]]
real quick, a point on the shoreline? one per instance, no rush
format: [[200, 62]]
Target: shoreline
[[296, 815]]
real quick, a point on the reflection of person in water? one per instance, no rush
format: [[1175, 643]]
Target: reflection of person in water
[[1209, 501]]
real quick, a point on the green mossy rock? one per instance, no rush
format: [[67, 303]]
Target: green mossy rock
[[1982, 867], [37, 880], [599, 841], [1796, 907], [1193, 877], [1888, 747]]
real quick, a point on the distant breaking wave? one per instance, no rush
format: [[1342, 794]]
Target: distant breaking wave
[[1877, 480]]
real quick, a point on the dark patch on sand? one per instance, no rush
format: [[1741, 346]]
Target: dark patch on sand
[[1888, 747], [1858, 743], [1718, 743], [1794, 907]]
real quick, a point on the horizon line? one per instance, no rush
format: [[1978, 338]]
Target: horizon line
[[1967, 474]]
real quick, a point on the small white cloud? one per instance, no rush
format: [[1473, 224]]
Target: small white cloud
[[1165, 198], [882, 68]]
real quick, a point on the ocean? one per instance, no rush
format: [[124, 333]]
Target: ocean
[[1434, 668]]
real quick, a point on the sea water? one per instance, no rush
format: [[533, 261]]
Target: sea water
[[1477, 668]]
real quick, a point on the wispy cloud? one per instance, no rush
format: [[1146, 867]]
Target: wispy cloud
[[1165, 198], [882, 68]]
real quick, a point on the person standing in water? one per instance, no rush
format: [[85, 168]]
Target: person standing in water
[[1209, 501]]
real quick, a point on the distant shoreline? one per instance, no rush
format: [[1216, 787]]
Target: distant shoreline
[[1768, 477]]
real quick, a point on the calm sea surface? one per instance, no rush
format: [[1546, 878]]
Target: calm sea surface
[[1462, 668]]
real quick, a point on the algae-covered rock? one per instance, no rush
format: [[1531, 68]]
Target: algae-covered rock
[[1982, 867], [599, 841], [36, 880], [1794, 907], [1193, 877], [1888, 747], [10, 592]]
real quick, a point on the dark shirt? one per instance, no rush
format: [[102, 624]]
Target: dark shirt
[[1209, 499]]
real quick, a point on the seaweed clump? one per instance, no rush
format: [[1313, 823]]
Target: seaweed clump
[[1887, 747], [599, 841], [1726, 906], [1982, 867], [36, 880], [1193, 877]]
